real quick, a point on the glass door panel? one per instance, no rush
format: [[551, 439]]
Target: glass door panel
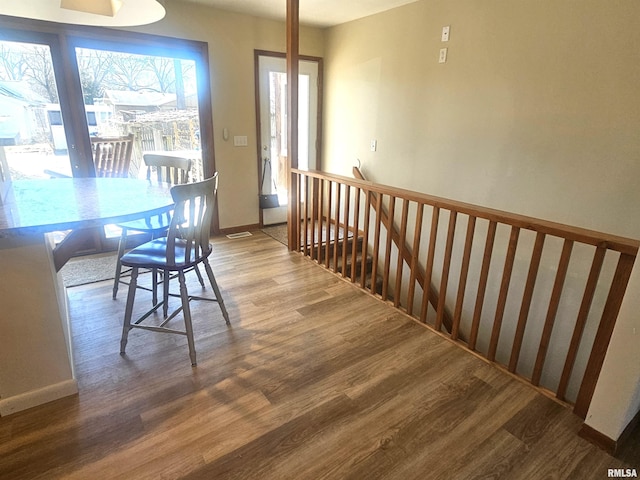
[[30, 115], [153, 97], [272, 90]]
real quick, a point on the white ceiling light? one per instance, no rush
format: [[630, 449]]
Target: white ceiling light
[[105, 13], [98, 7]]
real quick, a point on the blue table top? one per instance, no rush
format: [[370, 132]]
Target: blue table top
[[35, 206]]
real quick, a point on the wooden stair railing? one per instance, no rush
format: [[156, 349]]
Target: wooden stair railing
[[530, 295], [399, 239]]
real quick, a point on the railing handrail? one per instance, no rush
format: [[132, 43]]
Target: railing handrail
[[578, 234]]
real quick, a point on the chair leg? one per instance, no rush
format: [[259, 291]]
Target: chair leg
[[214, 285], [199, 275], [128, 312], [186, 312], [121, 247], [166, 276], [154, 286]]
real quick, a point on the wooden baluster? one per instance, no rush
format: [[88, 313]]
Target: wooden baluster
[[554, 303], [345, 240], [365, 243], [417, 234], [356, 234], [401, 242], [525, 306], [376, 244], [581, 320], [603, 335], [336, 229], [320, 222], [308, 208], [504, 290], [305, 220], [314, 216], [115, 159], [99, 161], [482, 284], [433, 237], [299, 207], [387, 250], [446, 267], [118, 167], [107, 161], [327, 246], [464, 272]]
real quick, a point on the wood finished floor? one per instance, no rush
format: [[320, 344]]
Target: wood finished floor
[[313, 380]]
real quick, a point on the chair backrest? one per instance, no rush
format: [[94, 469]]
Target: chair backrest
[[168, 169], [191, 222], [112, 156]]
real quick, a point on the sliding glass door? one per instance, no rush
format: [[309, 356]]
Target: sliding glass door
[[152, 96], [62, 86]]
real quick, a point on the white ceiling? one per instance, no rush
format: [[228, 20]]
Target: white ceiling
[[320, 13]]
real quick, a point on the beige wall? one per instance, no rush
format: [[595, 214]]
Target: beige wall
[[537, 111], [232, 39]]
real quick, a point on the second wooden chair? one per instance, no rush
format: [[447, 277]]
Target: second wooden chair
[[161, 168]]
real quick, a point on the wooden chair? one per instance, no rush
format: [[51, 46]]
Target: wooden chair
[[185, 246], [168, 169], [112, 156]]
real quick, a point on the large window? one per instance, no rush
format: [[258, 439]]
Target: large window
[[61, 85]]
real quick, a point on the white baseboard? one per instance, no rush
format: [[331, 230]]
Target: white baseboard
[[34, 398]]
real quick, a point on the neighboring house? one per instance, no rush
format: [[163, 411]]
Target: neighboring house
[[130, 103], [98, 117], [21, 113]]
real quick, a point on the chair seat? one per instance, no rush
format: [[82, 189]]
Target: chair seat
[[153, 254], [154, 224]]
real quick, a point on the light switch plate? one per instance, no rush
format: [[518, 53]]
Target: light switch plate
[[445, 33], [240, 141], [443, 56]]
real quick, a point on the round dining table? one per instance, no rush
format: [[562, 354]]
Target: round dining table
[[36, 355], [46, 205]]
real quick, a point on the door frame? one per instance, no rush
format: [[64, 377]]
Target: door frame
[[308, 58]]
